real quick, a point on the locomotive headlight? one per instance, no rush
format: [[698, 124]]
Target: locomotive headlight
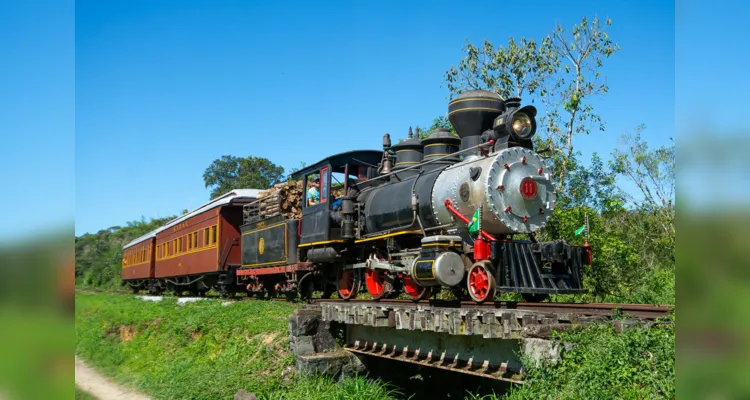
[[521, 125]]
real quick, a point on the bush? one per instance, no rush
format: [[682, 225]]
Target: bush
[[603, 364]]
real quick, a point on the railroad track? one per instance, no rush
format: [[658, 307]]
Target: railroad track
[[643, 311]]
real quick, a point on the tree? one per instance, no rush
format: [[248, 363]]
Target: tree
[[439, 122], [563, 69], [653, 173], [98, 256], [302, 165], [231, 172]]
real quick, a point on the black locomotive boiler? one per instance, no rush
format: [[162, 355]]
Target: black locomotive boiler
[[402, 222]]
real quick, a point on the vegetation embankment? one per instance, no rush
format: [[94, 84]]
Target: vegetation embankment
[[200, 350], [603, 364], [210, 351]]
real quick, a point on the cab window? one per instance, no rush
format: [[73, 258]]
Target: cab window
[[312, 194]]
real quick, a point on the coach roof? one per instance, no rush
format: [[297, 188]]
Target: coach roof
[[217, 202]]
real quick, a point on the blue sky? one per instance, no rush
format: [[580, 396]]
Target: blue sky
[[37, 105], [167, 87], [164, 87]]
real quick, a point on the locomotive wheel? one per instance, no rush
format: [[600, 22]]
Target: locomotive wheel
[[347, 284], [534, 297], [414, 290], [378, 284], [481, 283]]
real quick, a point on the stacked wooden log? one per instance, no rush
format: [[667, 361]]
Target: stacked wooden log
[[283, 198]]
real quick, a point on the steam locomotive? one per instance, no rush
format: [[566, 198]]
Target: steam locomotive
[[418, 216]]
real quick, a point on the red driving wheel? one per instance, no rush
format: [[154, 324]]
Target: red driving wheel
[[376, 283], [414, 290], [481, 282], [347, 284]]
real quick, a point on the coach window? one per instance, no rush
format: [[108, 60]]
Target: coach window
[[205, 237], [213, 234], [195, 239]]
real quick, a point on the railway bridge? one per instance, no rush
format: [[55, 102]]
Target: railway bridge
[[334, 337]]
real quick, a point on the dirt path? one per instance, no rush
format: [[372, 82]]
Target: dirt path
[[100, 387]]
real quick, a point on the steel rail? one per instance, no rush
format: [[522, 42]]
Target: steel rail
[[645, 311]]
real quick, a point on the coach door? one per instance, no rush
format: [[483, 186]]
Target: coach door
[[315, 209]]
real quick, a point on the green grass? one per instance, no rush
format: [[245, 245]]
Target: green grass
[[81, 395], [199, 350], [209, 351], [603, 364]]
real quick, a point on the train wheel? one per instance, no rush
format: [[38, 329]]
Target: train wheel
[[378, 284], [267, 290], [481, 283], [347, 284], [534, 297], [414, 290], [227, 291], [306, 290], [175, 289], [291, 295]]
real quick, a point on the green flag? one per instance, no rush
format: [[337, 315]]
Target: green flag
[[580, 230], [474, 223]]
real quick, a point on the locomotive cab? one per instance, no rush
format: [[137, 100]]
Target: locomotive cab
[[320, 223]]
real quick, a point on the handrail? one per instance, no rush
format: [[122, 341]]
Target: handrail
[[479, 146], [452, 209]]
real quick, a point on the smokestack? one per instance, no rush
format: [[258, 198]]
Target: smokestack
[[472, 113]]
